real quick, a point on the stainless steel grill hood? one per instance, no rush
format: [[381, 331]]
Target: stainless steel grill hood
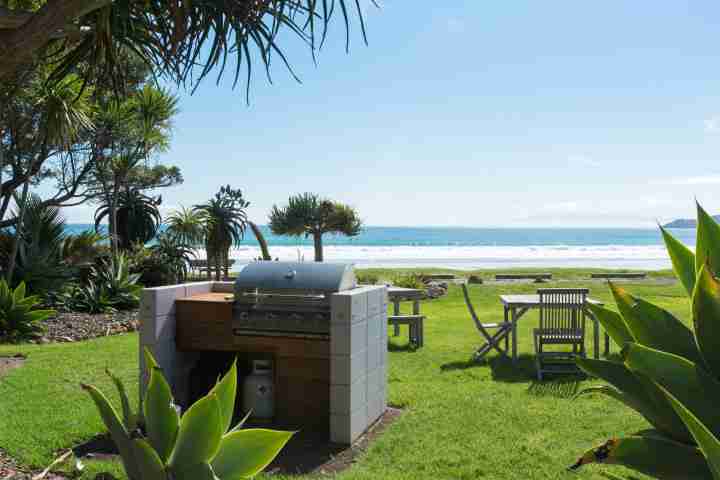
[[288, 298], [296, 277]]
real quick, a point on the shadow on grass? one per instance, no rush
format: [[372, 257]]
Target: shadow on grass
[[408, 347], [566, 387], [504, 370]]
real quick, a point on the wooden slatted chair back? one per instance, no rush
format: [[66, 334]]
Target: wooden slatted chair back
[[561, 310]]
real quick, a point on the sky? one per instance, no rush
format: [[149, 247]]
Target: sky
[[468, 113]]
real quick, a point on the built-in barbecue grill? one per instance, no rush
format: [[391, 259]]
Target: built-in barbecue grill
[[288, 298]]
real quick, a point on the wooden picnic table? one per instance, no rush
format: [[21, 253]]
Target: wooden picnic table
[[414, 321], [515, 306]]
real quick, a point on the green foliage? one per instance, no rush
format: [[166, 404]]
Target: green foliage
[[409, 280], [138, 218], [309, 215], [18, 318], [668, 373], [186, 226], [198, 445], [153, 271], [224, 219], [110, 286], [367, 278], [175, 254], [40, 263]]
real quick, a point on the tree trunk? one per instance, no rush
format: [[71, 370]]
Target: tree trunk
[[261, 241], [317, 240], [18, 233]]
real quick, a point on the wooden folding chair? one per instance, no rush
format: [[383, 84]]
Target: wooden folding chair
[[562, 323], [492, 341]]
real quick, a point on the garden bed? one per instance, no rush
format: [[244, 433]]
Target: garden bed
[[75, 326]]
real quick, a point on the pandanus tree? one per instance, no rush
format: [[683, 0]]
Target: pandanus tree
[[309, 215], [667, 372], [225, 219], [137, 217]]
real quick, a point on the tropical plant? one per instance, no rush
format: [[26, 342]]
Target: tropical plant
[[409, 280], [38, 248], [309, 215], [225, 219], [175, 255], [668, 373], [183, 41], [264, 250], [367, 278], [199, 445], [84, 248], [153, 271], [137, 217], [18, 319], [89, 297], [115, 278], [186, 226]]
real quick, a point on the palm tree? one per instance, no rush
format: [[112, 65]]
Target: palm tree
[[137, 218], [225, 220], [186, 225], [309, 215]]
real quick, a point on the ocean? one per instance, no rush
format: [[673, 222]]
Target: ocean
[[473, 248]]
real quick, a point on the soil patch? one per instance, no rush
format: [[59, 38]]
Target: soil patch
[[9, 470], [74, 326], [306, 453], [8, 363]]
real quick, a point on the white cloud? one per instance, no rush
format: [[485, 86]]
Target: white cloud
[[561, 207]]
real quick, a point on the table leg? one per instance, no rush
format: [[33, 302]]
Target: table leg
[[596, 337], [607, 344], [513, 316], [507, 337], [396, 312]]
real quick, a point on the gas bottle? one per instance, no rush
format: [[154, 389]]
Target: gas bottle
[[258, 394]]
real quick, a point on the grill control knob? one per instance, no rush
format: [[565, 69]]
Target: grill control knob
[[290, 274]]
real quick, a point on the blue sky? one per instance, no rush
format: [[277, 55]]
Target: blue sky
[[522, 113]]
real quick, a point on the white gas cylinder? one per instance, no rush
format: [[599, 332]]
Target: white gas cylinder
[[258, 394]]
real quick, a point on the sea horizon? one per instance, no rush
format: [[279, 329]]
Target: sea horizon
[[469, 248]]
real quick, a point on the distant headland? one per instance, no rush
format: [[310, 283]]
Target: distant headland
[[686, 222]]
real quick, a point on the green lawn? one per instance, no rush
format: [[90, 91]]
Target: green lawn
[[462, 420]]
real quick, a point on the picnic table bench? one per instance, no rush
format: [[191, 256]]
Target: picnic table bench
[[201, 265], [538, 277], [415, 322], [438, 276], [619, 275]]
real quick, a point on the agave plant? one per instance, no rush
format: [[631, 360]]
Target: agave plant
[[200, 445], [114, 278], [18, 319], [668, 373]]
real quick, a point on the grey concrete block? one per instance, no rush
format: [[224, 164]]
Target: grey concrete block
[[345, 370], [197, 288], [348, 339], [341, 309], [375, 381], [375, 408], [160, 301], [377, 300], [375, 354], [345, 399], [375, 324], [345, 429], [157, 329]]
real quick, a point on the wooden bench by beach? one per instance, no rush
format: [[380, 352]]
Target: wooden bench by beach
[[536, 277], [435, 277], [620, 275]]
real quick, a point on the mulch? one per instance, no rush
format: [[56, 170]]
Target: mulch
[[75, 326]]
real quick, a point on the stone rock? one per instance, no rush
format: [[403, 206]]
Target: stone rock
[[475, 279]]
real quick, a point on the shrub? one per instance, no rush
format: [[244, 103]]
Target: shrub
[[199, 445], [109, 287], [152, 269], [367, 278], [409, 280], [175, 254], [18, 320], [668, 373]]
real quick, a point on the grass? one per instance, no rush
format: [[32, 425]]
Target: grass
[[462, 420]]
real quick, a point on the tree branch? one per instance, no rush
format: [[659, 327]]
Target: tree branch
[[21, 40]]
